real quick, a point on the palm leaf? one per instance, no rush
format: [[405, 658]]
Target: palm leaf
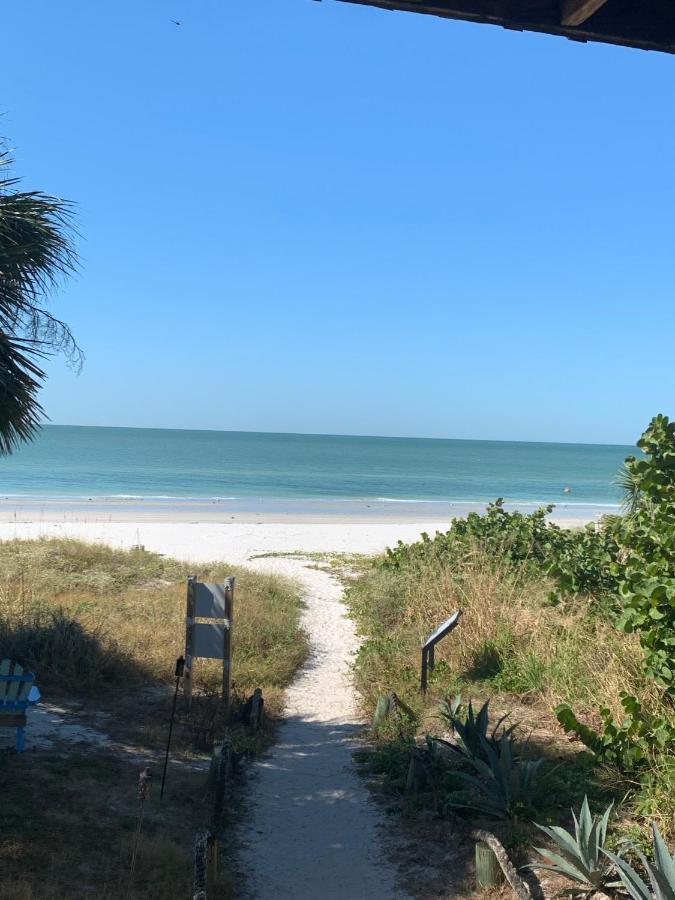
[[36, 255], [20, 378]]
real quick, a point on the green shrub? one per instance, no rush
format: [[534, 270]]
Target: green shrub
[[579, 856], [519, 538], [645, 571], [628, 743]]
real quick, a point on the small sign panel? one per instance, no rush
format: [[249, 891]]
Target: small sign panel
[[443, 629], [208, 640], [209, 601]]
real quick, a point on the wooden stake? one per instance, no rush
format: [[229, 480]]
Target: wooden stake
[[189, 628], [227, 644], [488, 870], [211, 865], [200, 854]]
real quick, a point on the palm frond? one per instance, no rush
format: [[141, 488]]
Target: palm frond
[[20, 379], [632, 495], [36, 254]]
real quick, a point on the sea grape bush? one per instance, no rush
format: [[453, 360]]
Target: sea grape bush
[[512, 536], [628, 743], [578, 561], [624, 564], [583, 563], [645, 568]]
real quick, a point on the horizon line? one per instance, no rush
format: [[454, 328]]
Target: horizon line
[[383, 437]]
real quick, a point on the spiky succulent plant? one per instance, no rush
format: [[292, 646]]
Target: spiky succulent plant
[[661, 872], [581, 856]]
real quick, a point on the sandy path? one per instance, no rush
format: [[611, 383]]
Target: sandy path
[[312, 829]]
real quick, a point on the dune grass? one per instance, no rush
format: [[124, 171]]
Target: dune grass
[[102, 628], [513, 646], [510, 639], [88, 618]]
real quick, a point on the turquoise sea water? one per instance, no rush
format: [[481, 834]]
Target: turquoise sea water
[[70, 461]]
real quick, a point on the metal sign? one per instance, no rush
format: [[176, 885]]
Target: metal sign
[[443, 629], [208, 640], [209, 601], [428, 647]]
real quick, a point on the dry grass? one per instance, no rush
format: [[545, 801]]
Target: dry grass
[[87, 618], [510, 638], [104, 627], [520, 650], [68, 823]]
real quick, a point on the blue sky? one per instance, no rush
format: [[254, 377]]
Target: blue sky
[[319, 217]]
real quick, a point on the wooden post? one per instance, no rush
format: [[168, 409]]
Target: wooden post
[[227, 644], [417, 774], [211, 865], [488, 870], [221, 762], [189, 626], [200, 853], [256, 711], [382, 710], [425, 664], [220, 770]]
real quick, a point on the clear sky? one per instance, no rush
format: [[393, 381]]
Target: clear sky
[[319, 217]]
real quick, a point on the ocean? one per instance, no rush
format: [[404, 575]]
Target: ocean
[[91, 462]]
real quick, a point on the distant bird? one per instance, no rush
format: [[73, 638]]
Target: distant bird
[[567, 490], [175, 22]]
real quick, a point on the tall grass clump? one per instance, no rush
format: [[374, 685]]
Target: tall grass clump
[[86, 617], [510, 639]]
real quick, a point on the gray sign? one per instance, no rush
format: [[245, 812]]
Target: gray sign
[[208, 640], [443, 629], [209, 601]]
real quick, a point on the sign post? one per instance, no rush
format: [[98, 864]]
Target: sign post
[[428, 648], [227, 643], [210, 639], [189, 641]]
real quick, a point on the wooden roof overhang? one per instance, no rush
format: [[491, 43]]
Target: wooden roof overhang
[[647, 24]]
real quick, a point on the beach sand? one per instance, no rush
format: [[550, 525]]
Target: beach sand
[[200, 530], [236, 542]]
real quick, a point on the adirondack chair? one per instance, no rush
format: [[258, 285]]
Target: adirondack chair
[[18, 691]]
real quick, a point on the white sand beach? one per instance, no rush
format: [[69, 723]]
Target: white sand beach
[[199, 529], [236, 542]]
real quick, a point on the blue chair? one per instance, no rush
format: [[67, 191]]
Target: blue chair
[[18, 691]]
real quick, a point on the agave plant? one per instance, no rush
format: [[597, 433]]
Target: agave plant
[[661, 872], [504, 783], [473, 731], [580, 855]]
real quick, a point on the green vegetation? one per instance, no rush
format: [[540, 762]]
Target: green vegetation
[[102, 628], [576, 622], [36, 253], [580, 856], [661, 872], [88, 618]]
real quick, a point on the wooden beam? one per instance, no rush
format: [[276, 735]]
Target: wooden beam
[[575, 12]]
